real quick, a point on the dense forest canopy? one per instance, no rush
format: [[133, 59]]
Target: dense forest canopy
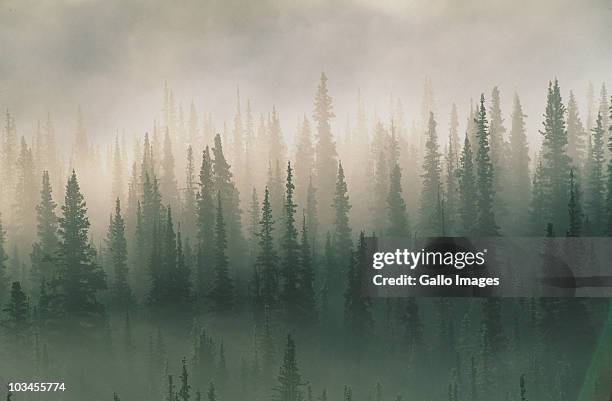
[[227, 252]]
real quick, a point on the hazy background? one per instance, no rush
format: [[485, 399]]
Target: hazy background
[[112, 57]]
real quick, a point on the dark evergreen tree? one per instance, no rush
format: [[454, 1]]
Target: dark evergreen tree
[[305, 280], [467, 189], [25, 195], [168, 184], [555, 161], [574, 209], [595, 202], [184, 391], [325, 149], [266, 265], [430, 224], [117, 252], [44, 250], [253, 224], [189, 209], [357, 306], [290, 382], [79, 278], [537, 207], [518, 180], [222, 293], [398, 218], [485, 221], [575, 134], [230, 198], [17, 323], [205, 227], [498, 151], [342, 231], [290, 252], [312, 220], [304, 162]]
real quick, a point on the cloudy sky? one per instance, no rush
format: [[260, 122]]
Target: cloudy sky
[[112, 57]]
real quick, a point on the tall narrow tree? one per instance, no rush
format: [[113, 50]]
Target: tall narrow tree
[[326, 155], [485, 221]]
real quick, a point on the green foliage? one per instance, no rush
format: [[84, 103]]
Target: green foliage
[[205, 226], [290, 252], [555, 161], [44, 250], [595, 202], [266, 265], [467, 189], [430, 223], [325, 149], [289, 378], [398, 218], [485, 220], [357, 306], [17, 324], [222, 293], [342, 231], [79, 278], [117, 250]]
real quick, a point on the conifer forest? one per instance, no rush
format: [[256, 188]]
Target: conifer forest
[[209, 248]]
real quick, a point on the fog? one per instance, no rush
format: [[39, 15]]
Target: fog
[[113, 57]]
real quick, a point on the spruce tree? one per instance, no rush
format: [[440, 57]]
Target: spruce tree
[[17, 322], [189, 209], [518, 180], [429, 218], [289, 378], [44, 250], [537, 206], [498, 149], [575, 134], [230, 198], [168, 185], [266, 264], [380, 192], [79, 278], [357, 307], [485, 221], [117, 172], [306, 277], [467, 189], [117, 250], [325, 149], [25, 195], [184, 391], [222, 293], [312, 220], [290, 252], [555, 161], [595, 201], [452, 169], [205, 227], [342, 231], [574, 210], [398, 218], [253, 224], [304, 161]]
